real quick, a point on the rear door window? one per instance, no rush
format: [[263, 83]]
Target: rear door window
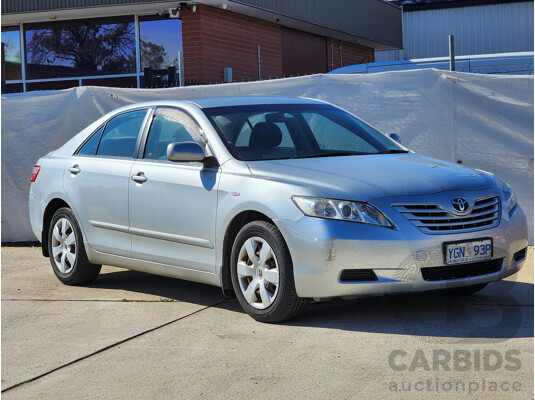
[[90, 146], [120, 135]]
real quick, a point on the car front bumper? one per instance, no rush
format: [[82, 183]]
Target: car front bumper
[[321, 249]]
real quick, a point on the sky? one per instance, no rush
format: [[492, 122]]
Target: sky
[[164, 32], [12, 42]]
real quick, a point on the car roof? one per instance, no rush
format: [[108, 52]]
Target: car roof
[[249, 100], [220, 102]]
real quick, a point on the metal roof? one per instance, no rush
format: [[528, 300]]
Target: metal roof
[[375, 20], [373, 23], [419, 5]]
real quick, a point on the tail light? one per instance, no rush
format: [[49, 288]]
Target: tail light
[[35, 172]]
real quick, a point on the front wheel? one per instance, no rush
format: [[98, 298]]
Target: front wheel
[[67, 252], [262, 274]]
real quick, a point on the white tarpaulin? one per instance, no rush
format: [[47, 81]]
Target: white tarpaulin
[[483, 121]]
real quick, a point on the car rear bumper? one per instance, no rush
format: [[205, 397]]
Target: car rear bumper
[[322, 249], [35, 209]]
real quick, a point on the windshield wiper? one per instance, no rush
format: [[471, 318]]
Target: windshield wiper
[[392, 151], [333, 154]]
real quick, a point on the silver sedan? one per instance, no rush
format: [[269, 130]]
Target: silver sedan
[[276, 200]]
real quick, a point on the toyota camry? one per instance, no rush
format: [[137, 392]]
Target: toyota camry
[[276, 200]]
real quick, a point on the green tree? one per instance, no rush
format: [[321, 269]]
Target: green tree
[[153, 55]]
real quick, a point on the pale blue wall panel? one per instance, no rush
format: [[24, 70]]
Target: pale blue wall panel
[[489, 29]]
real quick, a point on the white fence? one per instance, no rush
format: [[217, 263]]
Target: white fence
[[506, 63], [483, 121]]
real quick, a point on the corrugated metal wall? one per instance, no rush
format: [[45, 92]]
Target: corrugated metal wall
[[488, 29]]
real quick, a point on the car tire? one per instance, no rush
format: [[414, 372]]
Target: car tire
[[465, 290], [67, 252], [262, 274]]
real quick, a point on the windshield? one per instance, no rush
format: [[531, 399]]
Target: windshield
[[282, 131]]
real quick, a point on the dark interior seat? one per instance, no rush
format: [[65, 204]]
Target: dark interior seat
[[265, 135]]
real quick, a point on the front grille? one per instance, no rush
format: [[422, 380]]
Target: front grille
[[432, 218], [461, 270], [357, 275]]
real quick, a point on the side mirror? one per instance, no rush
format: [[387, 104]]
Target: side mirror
[[395, 136], [185, 152]]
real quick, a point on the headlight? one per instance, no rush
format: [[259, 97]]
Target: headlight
[[340, 209], [510, 197], [508, 192]]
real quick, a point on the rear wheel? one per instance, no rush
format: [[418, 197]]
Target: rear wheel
[[67, 252], [262, 274]]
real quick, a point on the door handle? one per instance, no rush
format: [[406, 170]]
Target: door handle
[[75, 169], [139, 177]]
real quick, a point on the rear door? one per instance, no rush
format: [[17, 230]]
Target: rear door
[[173, 206], [96, 180]]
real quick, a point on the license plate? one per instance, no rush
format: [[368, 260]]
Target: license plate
[[466, 252]]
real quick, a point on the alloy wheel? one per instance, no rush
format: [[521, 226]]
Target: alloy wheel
[[258, 273], [64, 245]]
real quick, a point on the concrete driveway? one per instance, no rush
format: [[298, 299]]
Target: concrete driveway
[[132, 335]]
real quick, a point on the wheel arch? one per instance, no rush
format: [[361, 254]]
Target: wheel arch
[[52, 206], [238, 222]]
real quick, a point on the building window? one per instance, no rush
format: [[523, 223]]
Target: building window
[[160, 42], [81, 48], [51, 85], [97, 52], [124, 82], [11, 60]]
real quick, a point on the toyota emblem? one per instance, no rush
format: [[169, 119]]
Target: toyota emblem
[[460, 204]]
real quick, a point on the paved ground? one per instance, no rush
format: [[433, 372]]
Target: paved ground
[[132, 335]]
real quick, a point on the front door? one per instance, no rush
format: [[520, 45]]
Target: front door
[[173, 205]]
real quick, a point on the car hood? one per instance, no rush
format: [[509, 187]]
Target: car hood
[[366, 177]]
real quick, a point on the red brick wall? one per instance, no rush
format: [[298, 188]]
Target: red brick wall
[[351, 54], [214, 38], [302, 53]]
